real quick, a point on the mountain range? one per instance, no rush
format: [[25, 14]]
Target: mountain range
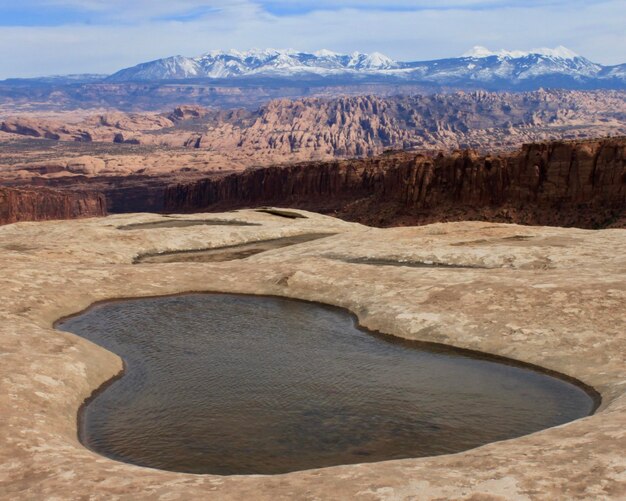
[[478, 68], [250, 79]]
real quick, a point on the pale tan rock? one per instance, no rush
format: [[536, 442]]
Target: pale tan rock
[[552, 297], [86, 165]]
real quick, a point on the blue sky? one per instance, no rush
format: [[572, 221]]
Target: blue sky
[[43, 37]]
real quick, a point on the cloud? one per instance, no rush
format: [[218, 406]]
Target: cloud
[[103, 11], [305, 6], [121, 11], [123, 36]]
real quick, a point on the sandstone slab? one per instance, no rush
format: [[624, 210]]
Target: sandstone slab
[[551, 297]]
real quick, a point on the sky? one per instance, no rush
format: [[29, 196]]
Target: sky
[[52, 37]]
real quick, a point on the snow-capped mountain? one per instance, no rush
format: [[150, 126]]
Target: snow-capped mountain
[[480, 67], [270, 62]]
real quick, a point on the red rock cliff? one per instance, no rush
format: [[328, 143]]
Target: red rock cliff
[[559, 183], [39, 204]]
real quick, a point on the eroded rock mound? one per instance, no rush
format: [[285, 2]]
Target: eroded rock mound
[[348, 126]]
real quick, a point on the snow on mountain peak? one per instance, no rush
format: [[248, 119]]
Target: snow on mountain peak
[[254, 53], [325, 53], [560, 52], [378, 60], [373, 61], [480, 66], [478, 51]]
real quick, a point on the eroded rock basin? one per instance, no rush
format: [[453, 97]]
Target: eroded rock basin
[[183, 223], [232, 384], [230, 252]]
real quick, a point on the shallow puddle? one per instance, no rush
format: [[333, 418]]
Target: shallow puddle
[[230, 252], [283, 213], [230, 384], [183, 223]]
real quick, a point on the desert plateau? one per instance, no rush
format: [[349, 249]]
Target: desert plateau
[[390, 271]]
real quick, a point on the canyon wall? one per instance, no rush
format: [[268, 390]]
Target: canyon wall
[[577, 183], [40, 204], [122, 194]]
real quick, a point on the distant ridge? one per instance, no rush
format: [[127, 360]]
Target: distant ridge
[[561, 52], [479, 67]]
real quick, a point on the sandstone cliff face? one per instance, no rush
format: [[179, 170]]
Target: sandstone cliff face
[[558, 183], [39, 204]]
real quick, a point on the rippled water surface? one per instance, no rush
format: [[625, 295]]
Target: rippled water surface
[[228, 384]]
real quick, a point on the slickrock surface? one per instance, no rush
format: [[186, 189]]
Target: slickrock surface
[[551, 297], [42, 204], [569, 183]]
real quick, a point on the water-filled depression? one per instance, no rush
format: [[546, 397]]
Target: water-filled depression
[[229, 384]]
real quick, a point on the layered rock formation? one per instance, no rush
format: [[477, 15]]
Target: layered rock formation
[[559, 183], [366, 125], [39, 204], [318, 128], [132, 158], [108, 127]]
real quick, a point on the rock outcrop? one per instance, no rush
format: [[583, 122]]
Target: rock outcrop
[[39, 204], [559, 183], [349, 126], [367, 125], [105, 128]]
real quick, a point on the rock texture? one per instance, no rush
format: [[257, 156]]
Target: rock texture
[[39, 204], [558, 183], [133, 157], [109, 127], [350, 126], [552, 297], [366, 125]]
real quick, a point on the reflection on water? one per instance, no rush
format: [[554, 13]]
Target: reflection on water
[[228, 384]]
